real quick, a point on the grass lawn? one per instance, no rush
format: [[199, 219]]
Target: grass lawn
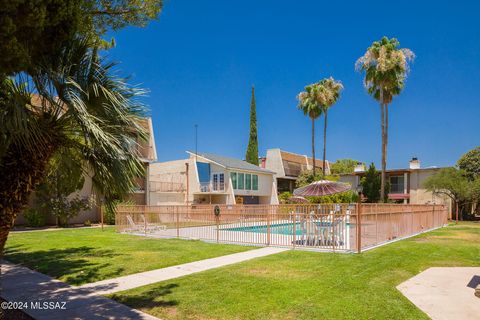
[[79, 256], [310, 285]]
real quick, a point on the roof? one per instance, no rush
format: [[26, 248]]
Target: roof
[[231, 163], [302, 159]]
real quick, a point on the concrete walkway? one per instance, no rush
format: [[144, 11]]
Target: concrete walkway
[[149, 277], [445, 293], [20, 284]]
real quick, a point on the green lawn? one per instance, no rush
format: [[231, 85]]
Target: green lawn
[[310, 285], [79, 256]]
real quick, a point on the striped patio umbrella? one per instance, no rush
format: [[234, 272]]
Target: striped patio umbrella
[[297, 199], [321, 188]]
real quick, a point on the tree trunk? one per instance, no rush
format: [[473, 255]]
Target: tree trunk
[[384, 165], [324, 144], [20, 171], [313, 146]]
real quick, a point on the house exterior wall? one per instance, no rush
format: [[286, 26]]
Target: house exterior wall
[[413, 185]]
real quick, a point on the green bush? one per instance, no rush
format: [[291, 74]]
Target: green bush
[[284, 196], [34, 218], [344, 197], [87, 223]]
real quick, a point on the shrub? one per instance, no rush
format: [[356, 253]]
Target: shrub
[[284, 196], [87, 223], [34, 218]]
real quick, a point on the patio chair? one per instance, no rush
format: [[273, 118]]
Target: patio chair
[[133, 227], [152, 226]]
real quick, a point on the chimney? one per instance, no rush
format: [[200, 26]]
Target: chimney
[[414, 163], [359, 167]]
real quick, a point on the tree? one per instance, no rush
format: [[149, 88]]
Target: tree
[[386, 67], [329, 93], [64, 177], [309, 104], [32, 31], [252, 149], [76, 105], [371, 183], [343, 166], [470, 164], [450, 182]]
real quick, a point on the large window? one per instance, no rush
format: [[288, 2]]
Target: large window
[[241, 181], [233, 176], [254, 182], [244, 181], [397, 184], [248, 181]]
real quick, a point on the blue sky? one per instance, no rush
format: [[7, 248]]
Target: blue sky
[[200, 59]]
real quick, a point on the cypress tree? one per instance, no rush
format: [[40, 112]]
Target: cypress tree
[[252, 150]]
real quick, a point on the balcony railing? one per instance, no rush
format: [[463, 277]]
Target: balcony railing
[[212, 187]]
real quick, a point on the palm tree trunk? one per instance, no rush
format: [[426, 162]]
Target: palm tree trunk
[[324, 143], [382, 121], [386, 144], [21, 170], [313, 146]]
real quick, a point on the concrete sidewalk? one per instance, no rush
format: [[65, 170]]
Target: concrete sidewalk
[[445, 293], [20, 284], [149, 277]]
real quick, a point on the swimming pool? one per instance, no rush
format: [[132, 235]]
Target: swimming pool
[[278, 228]]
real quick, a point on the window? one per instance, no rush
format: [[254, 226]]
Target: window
[[233, 176], [254, 182], [240, 181], [218, 181], [397, 184], [248, 181]]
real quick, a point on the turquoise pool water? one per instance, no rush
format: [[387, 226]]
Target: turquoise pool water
[[280, 228]]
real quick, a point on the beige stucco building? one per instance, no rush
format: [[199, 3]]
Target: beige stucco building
[[205, 178], [288, 166], [406, 185], [148, 154]]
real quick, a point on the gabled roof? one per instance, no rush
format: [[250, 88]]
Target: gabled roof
[[231, 163]]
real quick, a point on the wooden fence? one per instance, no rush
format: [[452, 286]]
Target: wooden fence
[[330, 227]]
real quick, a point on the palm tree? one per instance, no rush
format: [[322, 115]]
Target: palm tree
[[75, 105], [309, 104], [329, 94], [386, 67]]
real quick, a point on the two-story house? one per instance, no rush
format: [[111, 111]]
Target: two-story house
[[205, 178], [406, 184]]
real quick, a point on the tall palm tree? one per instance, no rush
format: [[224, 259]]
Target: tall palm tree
[[386, 67], [76, 105], [309, 104], [329, 93]]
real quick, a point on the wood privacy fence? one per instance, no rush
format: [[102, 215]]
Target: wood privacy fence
[[329, 227]]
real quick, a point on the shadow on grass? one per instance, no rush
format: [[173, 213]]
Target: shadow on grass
[[73, 263], [153, 298]]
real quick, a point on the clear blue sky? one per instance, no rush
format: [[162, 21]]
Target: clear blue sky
[[200, 59]]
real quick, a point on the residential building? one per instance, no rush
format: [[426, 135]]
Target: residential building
[[210, 179], [288, 166], [406, 185], [148, 154]]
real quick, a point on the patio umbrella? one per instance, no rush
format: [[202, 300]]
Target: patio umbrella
[[297, 199], [321, 188]]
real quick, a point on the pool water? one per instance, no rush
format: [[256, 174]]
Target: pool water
[[280, 228]]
